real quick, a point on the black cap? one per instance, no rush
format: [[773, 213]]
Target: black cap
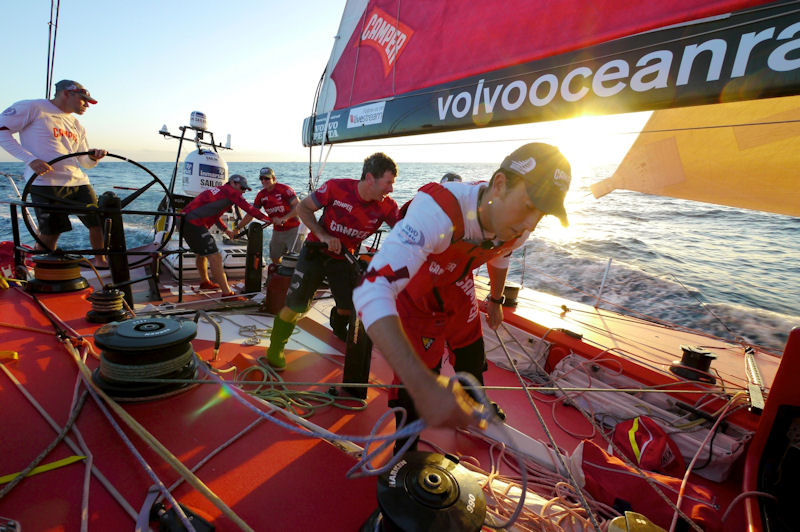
[[239, 178], [74, 86], [547, 176]]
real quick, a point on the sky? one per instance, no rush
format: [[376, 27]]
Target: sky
[[251, 66]]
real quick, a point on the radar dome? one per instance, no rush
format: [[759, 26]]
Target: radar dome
[[203, 169]]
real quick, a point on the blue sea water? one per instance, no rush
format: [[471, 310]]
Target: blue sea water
[[730, 272]]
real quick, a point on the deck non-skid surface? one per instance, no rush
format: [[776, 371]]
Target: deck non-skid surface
[[270, 476]]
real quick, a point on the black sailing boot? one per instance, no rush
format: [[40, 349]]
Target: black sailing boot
[[339, 324]]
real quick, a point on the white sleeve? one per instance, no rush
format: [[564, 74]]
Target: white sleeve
[[15, 119], [14, 148], [426, 229]]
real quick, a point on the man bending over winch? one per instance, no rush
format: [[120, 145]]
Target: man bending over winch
[[206, 210], [412, 298]]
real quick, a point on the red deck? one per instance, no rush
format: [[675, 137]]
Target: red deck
[[270, 477]]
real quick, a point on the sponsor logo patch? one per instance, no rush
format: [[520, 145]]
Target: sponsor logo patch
[[427, 342], [561, 179], [523, 167], [412, 235], [366, 115], [343, 205], [58, 132], [206, 170], [387, 35]]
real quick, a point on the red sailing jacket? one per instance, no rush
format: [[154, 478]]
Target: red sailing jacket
[[276, 203], [348, 217], [209, 205], [460, 257]]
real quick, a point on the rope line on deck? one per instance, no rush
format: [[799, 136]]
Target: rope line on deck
[[617, 451]]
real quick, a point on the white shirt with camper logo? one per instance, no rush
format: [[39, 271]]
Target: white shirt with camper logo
[[46, 132]]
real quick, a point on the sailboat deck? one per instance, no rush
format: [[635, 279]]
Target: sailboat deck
[[268, 474]]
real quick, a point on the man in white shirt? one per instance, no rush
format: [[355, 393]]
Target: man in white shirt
[[48, 129], [412, 299]]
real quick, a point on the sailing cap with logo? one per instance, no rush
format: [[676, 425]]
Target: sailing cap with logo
[[74, 86], [547, 176], [238, 178], [266, 172], [450, 177]]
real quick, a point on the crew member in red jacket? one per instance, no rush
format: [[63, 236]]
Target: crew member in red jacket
[[206, 210], [280, 203], [353, 210], [412, 299]]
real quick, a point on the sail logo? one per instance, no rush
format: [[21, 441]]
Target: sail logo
[[387, 35], [714, 62], [366, 115]]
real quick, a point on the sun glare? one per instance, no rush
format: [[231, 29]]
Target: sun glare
[[591, 141]]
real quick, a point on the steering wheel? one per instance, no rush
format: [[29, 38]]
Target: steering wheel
[[126, 201]]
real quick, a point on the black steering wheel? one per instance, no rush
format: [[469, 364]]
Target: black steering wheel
[[125, 202]]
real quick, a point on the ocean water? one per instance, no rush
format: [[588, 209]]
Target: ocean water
[[729, 272]]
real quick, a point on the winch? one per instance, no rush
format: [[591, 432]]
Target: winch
[[427, 492], [695, 364], [106, 306], [145, 348], [57, 273]]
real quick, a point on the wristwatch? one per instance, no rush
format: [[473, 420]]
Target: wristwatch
[[498, 301]]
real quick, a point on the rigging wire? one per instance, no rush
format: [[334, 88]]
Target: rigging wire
[[573, 481], [364, 144], [312, 123], [640, 315], [616, 451], [52, 28]]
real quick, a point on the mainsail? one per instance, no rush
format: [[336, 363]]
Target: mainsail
[[403, 68]]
